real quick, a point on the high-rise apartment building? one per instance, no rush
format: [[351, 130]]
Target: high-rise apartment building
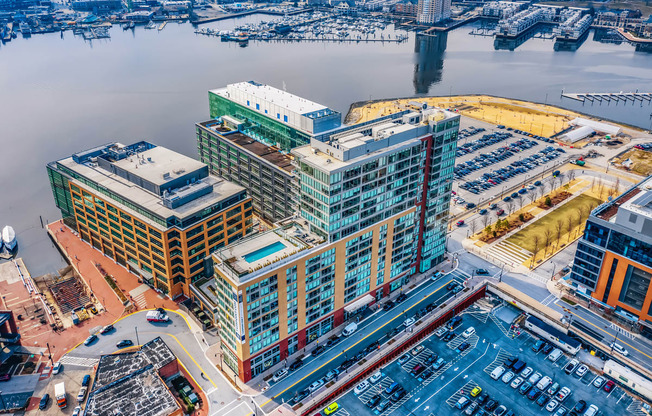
[[374, 203], [154, 211], [433, 11], [254, 127], [613, 262]]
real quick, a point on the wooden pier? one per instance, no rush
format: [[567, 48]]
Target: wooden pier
[[600, 97]]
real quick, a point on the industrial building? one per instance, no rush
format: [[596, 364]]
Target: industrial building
[[133, 383], [152, 210], [374, 201], [613, 263]]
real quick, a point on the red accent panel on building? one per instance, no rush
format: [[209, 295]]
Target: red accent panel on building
[[338, 317], [424, 199]]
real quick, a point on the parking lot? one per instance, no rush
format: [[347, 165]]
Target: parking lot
[[492, 160], [437, 389]]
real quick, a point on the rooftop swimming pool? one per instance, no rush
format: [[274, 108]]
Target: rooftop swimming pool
[[261, 253]]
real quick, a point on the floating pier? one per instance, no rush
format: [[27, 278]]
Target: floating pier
[[634, 97]]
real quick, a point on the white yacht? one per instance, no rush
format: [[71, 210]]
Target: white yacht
[[9, 237]]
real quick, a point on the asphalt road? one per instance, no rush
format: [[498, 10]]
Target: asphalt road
[[181, 340], [375, 328]]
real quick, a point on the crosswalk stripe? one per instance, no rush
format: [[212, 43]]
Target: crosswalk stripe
[[78, 361]]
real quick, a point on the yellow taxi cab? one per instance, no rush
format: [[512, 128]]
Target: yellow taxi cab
[[332, 408], [476, 391]]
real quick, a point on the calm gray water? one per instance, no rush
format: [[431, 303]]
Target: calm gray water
[[58, 96]]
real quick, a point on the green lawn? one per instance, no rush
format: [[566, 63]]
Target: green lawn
[[524, 238]]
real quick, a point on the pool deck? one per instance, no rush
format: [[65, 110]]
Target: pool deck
[[238, 252]]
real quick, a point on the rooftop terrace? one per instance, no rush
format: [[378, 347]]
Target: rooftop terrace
[[261, 252], [270, 154], [629, 200]]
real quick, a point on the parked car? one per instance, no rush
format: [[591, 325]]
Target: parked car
[[497, 372], [332, 374], [491, 405], [404, 358], [579, 406], [591, 411], [542, 400], [547, 348], [76, 411], [526, 373], [476, 391], [471, 409], [279, 374], [563, 394], [332, 408], [500, 410], [534, 393], [45, 399], [375, 377], [608, 386], [462, 402], [507, 377], [516, 382], [374, 401], [468, 332], [438, 364], [5, 377], [581, 370], [81, 394], [361, 387], [481, 272], [571, 366], [441, 331], [90, 340], [106, 329], [86, 380], [462, 347], [525, 387], [383, 405], [392, 388], [398, 394], [500, 212], [460, 223], [57, 367], [296, 365], [124, 343], [552, 405], [552, 390]]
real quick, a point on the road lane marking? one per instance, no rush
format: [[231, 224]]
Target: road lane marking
[[338, 355]]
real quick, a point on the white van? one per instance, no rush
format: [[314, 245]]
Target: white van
[[349, 329], [620, 349], [469, 331], [555, 355], [544, 383], [498, 371]]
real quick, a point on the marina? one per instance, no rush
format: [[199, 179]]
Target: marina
[[314, 27], [634, 97]]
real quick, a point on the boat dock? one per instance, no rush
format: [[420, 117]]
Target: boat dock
[[609, 97], [162, 25]]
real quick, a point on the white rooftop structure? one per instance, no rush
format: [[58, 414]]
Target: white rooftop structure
[[596, 125], [636, 213], [578, 134], [282, 106]]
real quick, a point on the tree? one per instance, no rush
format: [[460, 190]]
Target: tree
[[536, 241], [510, 207], [593, 184], [547, 239], [569, 225], [571, 175], [473, 227], [485, 220], [531, 196], [559, 225], [548, 201], [520, 203], [600, 188]]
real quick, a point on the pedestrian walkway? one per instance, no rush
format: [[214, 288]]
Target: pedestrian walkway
[[137, 296], [510, 253], [78, 361]]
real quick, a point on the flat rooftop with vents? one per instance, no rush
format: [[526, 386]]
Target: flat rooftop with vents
[[157, 179], [131, 383]]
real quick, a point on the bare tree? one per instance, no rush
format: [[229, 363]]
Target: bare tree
[[617, 185], [559, 226], [531, 197], [600, 188], [485, 220], [536, 241], [547, 239], [569, 225], [473, 226], [571, 175], [510, 206], [520, 202], [593, 184]]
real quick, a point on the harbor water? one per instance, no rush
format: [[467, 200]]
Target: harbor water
[[61, 94]]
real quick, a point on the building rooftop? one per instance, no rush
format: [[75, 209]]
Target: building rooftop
[[371, 140], [156, 179], [158, 165], [115, 366], [631, 209], [129, 383], [141, 393], [270, 94], [271, 154], [264, 251]]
